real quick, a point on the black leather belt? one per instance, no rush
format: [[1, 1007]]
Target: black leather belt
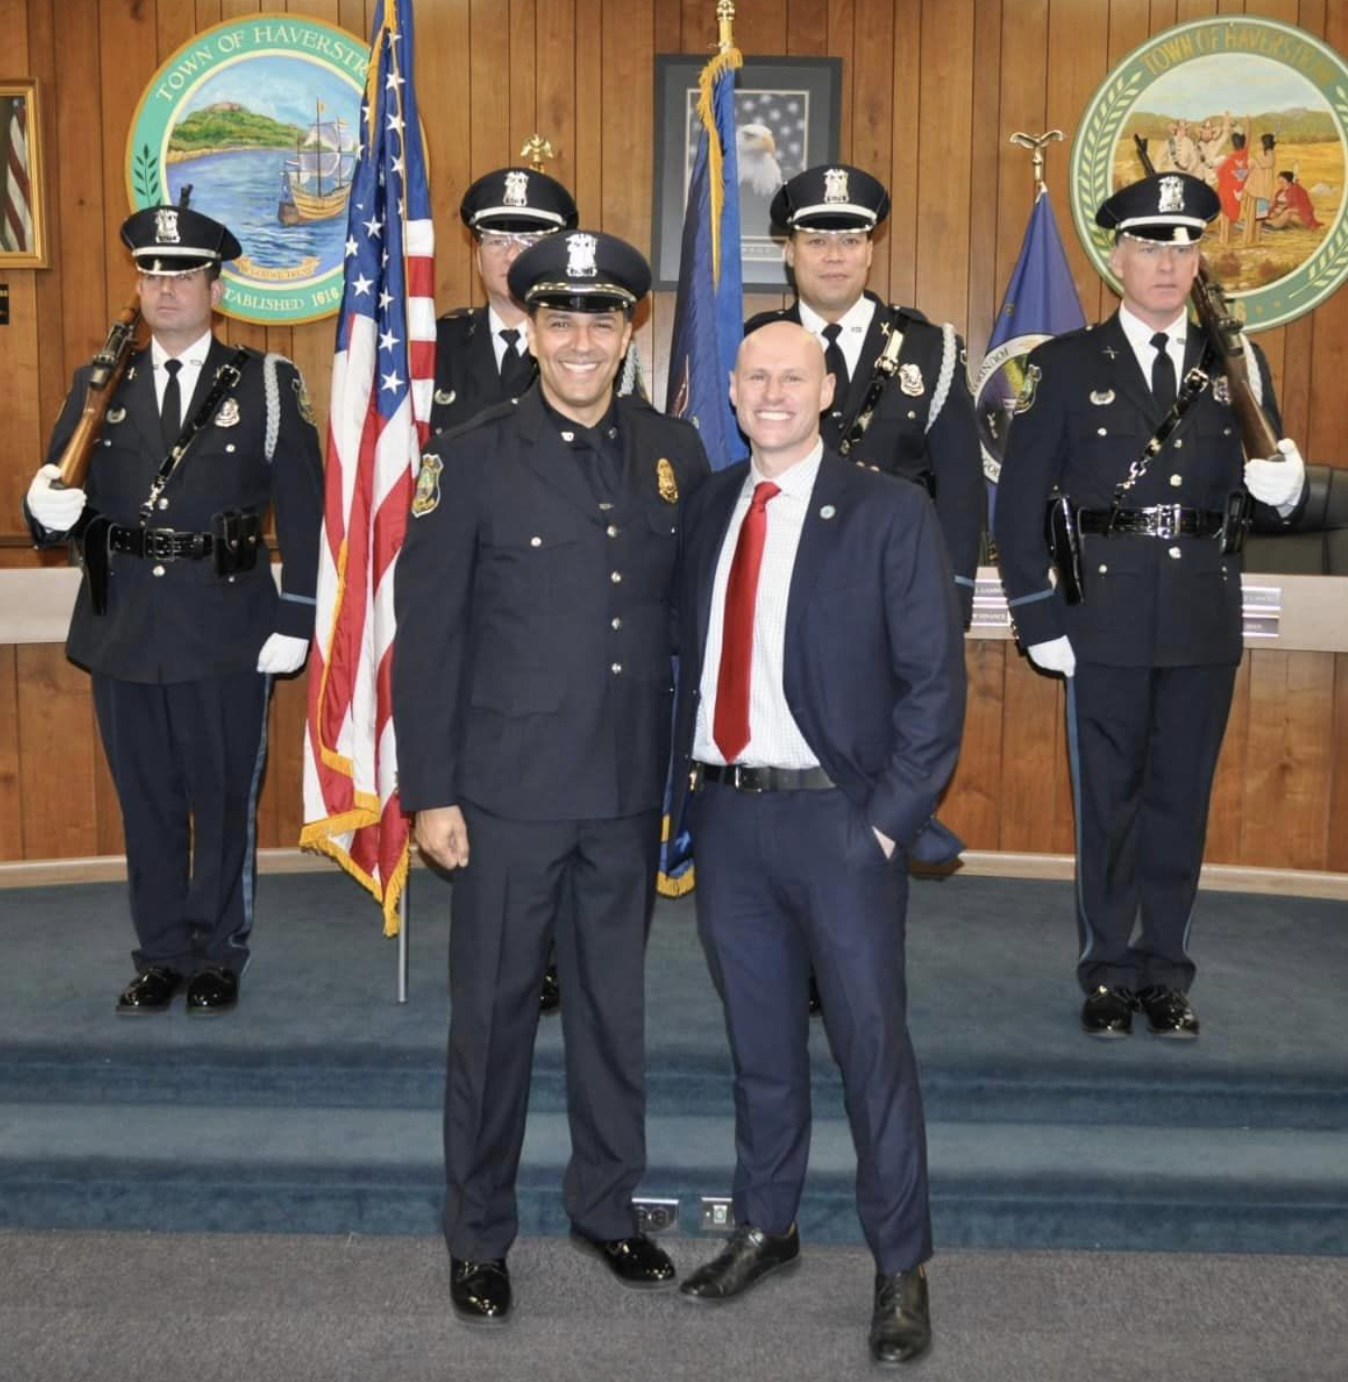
[[1161, 520], [159, 544], [744, 778]]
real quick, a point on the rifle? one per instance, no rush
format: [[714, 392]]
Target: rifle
[[105, 371], [1222, 328]]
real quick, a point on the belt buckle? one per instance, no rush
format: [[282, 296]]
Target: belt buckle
[[1168, 521], [743, 778], [159, 544]]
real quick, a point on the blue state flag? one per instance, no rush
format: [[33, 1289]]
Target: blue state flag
[[708, 327], [1041, 301]]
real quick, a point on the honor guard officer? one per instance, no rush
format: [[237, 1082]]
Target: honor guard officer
[[480, 355], [178, 617], [901, 401], [532, 696], [1148, 456]]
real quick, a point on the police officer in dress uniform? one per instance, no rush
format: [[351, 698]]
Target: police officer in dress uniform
[[481, 358], [923, 423], [178, 617], [1150, 655], [532, 694]]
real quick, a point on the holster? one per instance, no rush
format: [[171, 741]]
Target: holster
[[236, 534], [1064, 547], [93, 544], [1236, 522]]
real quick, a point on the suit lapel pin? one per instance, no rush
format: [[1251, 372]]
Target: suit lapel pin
[[227, 414], [827, 512], [1102, 397], [115, 414], [665, 481]]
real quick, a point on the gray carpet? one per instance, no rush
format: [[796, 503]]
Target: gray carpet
[[164, 1308]]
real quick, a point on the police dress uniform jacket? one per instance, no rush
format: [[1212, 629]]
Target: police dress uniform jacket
[[924, 427], [873, 663], [177, 620], [532, 671], [467, 378], [1085, 417]]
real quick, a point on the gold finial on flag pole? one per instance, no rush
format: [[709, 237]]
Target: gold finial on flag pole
[[536, 149], [1037, 142], [725, 21]]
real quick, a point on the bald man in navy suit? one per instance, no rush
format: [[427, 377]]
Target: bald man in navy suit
[[821, 702]]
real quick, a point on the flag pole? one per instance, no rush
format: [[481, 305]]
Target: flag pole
[[1036, 142]]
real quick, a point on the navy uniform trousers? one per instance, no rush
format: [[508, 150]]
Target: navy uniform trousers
[[788, 882]]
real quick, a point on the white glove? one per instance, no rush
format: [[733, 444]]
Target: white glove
[[1277, 481], [1056, 655], [57, 509], [282, 653]]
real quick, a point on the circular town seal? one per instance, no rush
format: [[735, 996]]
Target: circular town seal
[[1259, 110], [259, 116]]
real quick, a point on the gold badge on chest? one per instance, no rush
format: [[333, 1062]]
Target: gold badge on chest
[[665, 481], [426, 499], [227, 414]]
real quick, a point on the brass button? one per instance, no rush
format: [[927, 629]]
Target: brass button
[[616, 669], [1177, 480], [1179, 441], [616, 577], [158, 571], [616, 622], [163, 503], [1103, 568], [535, 542], [1175, 552], [612, 530], [1102, 431]]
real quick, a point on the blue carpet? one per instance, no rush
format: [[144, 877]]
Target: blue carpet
[[315, 1107]]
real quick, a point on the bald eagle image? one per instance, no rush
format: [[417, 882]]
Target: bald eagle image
[[756, 151]]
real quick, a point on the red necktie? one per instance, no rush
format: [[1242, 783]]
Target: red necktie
[[731, 727]]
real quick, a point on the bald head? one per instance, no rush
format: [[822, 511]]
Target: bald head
[[779, 387]]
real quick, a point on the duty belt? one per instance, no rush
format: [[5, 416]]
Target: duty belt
[[160, 544], [744, 778], [1160, 520]]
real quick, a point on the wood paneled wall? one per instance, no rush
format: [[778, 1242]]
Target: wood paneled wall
[[931, 91]]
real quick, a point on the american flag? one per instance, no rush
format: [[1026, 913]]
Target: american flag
[[382, 380], [16, 225]]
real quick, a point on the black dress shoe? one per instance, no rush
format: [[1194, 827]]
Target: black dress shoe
[[635, 1261], [748, 1256], [1108, 1012], [213, 990], [816, 1004], [1168, 1012], [550, 996], [901, 1321], [480, 1291], [149, 992]]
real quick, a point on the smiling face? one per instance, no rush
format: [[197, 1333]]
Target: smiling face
[[578, 355], [1156, 277], [778, 388], [830, 268]]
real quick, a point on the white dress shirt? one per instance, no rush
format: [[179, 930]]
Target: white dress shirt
[[1139, 336], [498, 325], [775, 740], [193, 358], [855, 323]]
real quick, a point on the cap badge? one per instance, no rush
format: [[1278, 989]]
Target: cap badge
[[516, 189], [665, 481], [1172, 196], [427, 496], [227, 414], [580, 256], [910, 380], [835, 185], [166, 226]]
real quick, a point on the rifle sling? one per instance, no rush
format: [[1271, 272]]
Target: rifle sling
[[886, 367]]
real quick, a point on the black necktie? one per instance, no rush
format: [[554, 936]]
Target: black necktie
[[171, 410], [516, 369], [835, 362], [1163, 373]]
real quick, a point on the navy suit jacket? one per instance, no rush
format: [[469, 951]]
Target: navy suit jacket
[[874, 656]]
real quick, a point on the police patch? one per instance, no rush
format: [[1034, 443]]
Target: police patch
[[302, 398], [1025, 398], [427, 497]]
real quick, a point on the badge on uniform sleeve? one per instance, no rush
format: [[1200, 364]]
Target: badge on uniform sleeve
[[227, 414], [664, 478], [1028, 388], [910, 380], [302, 399], [427, 496]]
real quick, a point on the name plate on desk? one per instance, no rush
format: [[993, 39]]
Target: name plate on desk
[[1261, 608]]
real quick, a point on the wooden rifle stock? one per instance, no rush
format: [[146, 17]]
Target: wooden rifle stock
[[105, 371], [1222, 328]]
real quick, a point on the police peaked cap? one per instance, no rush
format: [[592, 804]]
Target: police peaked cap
[[518, 201], [167, 240], [1167, 206], [580, 271], [833, 196]]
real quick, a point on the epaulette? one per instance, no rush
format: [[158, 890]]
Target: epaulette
[[911, 313]]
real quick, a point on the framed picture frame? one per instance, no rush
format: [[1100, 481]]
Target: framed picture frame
[[795, 106], [23, 231]]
